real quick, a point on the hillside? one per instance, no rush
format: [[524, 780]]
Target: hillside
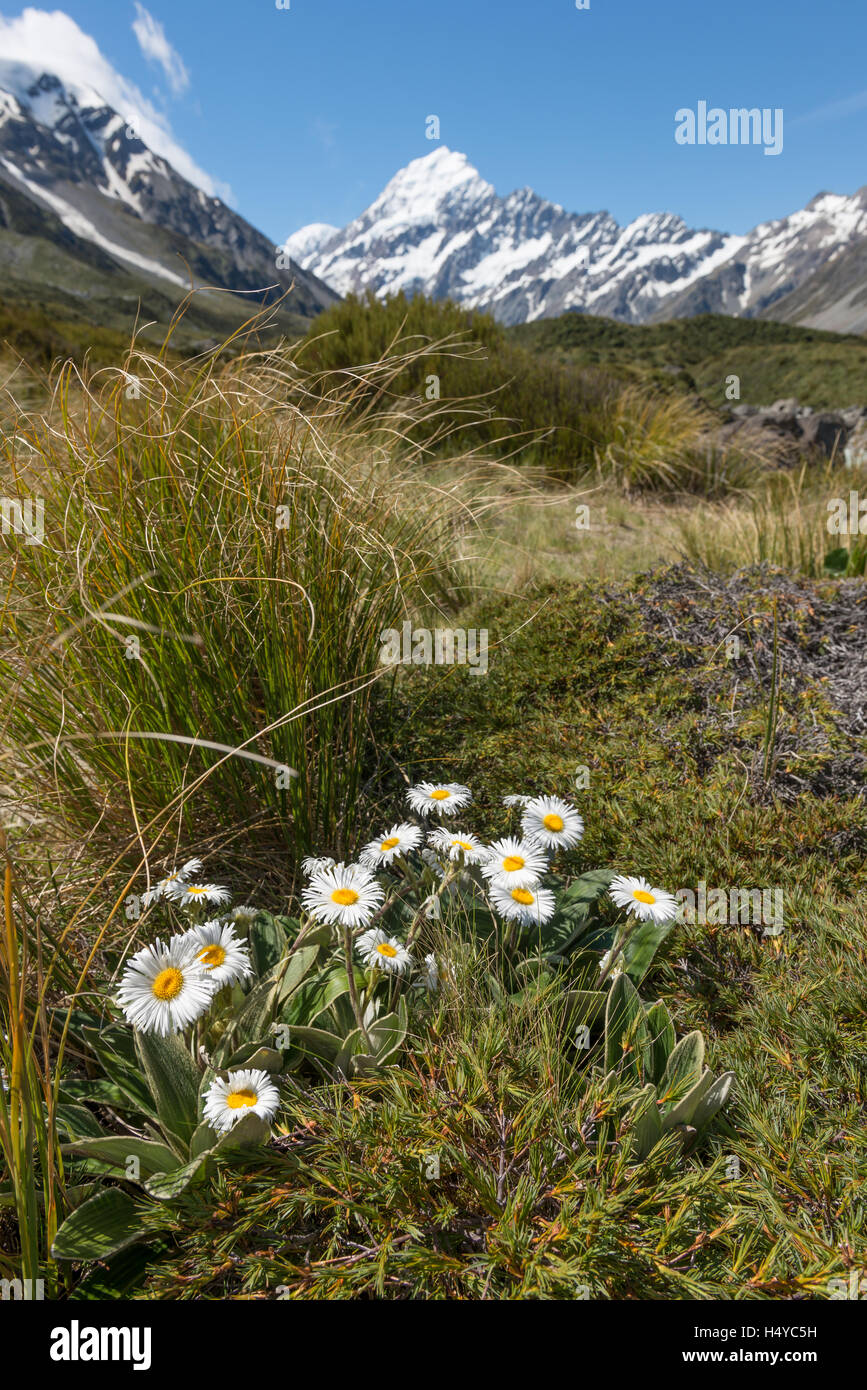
[[99, 233], [773, 360]]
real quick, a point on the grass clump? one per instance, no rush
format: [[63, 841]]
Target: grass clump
[[222, 550], [574, 421]]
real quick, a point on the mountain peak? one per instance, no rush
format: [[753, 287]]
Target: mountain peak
[[419, 191]]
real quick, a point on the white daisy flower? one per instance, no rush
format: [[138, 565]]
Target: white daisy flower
[[191, 894], [399, 840], [312, 865], [165, 988], [244, 914], [225, 958], [347, 894], [383, 951], [457, 843], [444, 798], [646, 903], [514, 863], [429, 975], [227, 1102], [517, 799], [530, 905], [165, 886], [554, 823]]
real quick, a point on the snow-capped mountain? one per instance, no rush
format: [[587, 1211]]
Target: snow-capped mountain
[[439, 229], [76, 162], [777, 263]]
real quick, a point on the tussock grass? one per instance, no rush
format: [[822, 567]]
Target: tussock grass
[[222, 551], [782, 520], [575, 422]]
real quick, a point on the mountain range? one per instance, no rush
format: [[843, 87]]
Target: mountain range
[[98, 228], [438, 228]]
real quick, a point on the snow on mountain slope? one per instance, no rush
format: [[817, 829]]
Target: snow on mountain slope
[[440, 229], [70, 152]]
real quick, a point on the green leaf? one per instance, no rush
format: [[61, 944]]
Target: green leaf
[[202, 1140], [248, 1133], [352, 1058], [99, 1091], [645, 1125], [660, 1030], [257, 1056], [640, 948], [313, 997], [584, 1006], [387, 1034], [683, 1069], [681, 1112], [713, 1100], [577, 900], [315, 1041], [837, 561], [100, 1226], [165, 1186], [117, 1150], [173, 1078], [78, 1122], [124, 1272], [265, 999], [577, 918], [267, 942], [625, 1030], [116, 1053]]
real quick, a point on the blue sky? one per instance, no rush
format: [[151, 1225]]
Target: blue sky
[[306, 113]]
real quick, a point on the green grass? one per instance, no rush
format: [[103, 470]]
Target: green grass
[[528, 1204]]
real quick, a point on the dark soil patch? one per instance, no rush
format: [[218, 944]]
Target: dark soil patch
[[821, 653]]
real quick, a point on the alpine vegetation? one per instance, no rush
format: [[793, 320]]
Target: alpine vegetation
[[219, 1013]]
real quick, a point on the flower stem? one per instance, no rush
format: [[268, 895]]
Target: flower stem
[[353, 989]]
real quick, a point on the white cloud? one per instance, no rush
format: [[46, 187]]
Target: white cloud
[[52, 42], [154, 45]]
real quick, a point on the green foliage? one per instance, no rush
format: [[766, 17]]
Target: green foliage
[[495, 395], [100, 1227], [773, 360]]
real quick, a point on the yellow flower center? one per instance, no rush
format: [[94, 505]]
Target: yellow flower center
[[390, 842], [553, 822], [440, 794], [521, 895], [168, 984], [641, 896], [212, 956], [462, 844], [236, 1100], [344, 896], [385, 950], [512, 863], [195, 890]]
